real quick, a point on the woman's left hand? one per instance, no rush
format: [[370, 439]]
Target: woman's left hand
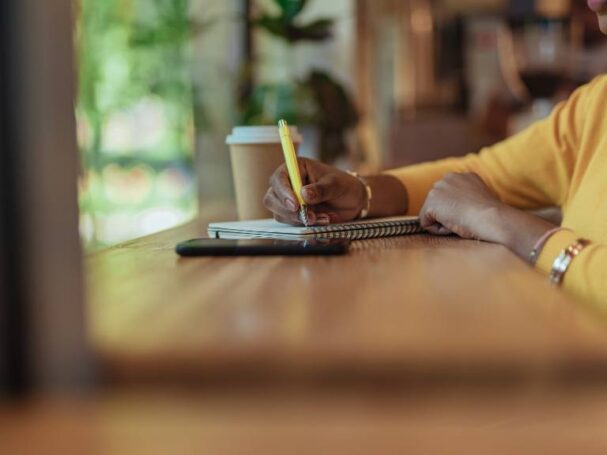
[[462, 204]]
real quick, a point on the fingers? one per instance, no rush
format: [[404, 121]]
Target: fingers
[[281, 186], [280, 209], [325, 189], [428, 221], [438, 229], [284, 214], [432, 229], [283, 203], [426, 217], [442, 230]]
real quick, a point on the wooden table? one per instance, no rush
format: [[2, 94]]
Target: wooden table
[[415, 308], [408, 345], [279, 423]]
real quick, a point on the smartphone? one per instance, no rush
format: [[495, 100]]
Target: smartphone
[[262, 247]]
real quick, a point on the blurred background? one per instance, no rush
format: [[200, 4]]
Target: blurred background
[[372, 84], [128, 103]]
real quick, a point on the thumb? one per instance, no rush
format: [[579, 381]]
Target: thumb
[[428, 220], [323, 190]]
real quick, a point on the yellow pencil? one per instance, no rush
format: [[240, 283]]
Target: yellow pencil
[[292, 167]]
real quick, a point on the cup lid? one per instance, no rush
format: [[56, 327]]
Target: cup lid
[[260, 135]]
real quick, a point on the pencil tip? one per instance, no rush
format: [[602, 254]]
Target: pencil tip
[[304, 216]]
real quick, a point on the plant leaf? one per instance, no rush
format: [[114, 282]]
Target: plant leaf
[[318, 30], [290, 8], [273, 25]]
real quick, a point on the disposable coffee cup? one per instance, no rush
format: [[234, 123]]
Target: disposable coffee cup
[[255, 152]]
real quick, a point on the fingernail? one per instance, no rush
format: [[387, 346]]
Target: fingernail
[[323, 219], [308, 194], [291, 205], [311, 217]]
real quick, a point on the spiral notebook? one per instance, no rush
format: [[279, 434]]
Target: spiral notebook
[[354, 230]]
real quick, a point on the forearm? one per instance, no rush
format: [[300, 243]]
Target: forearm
[[389, 196], [516, 229], [519, 230]]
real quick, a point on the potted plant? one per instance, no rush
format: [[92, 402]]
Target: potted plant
[[317, 99]]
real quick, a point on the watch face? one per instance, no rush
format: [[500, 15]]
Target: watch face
[[562, 262]]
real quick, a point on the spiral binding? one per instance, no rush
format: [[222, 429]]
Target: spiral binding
[[368, 230]]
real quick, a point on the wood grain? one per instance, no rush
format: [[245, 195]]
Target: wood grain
[[402, 307], [277, 423]]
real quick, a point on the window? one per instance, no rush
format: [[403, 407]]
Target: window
[[135, 118]]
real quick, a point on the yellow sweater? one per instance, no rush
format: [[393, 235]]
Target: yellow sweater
[[560, 161]]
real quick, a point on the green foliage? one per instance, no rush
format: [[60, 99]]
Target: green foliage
[[318, 99], [284, 25], [131, 49], [291, 8], [336, 113], [169, 25], [335, 109], [270, 102], [132, 52]]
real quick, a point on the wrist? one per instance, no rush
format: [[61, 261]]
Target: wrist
[[389, 196], [365, 195], [491, 223], [520, 231], [503, 221]]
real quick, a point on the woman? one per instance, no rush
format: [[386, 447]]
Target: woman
[[561, 161]]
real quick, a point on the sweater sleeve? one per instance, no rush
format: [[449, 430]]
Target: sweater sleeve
[[586, 278], [530, 170]]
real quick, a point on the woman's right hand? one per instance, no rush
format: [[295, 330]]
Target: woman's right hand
[[331, 195]]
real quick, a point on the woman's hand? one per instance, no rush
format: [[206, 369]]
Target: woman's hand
[[332, 196], [462, 204]]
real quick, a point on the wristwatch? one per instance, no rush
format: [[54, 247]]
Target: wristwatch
[[564, 260]]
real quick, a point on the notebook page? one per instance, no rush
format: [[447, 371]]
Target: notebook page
[[267, 226], [271, 226]]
